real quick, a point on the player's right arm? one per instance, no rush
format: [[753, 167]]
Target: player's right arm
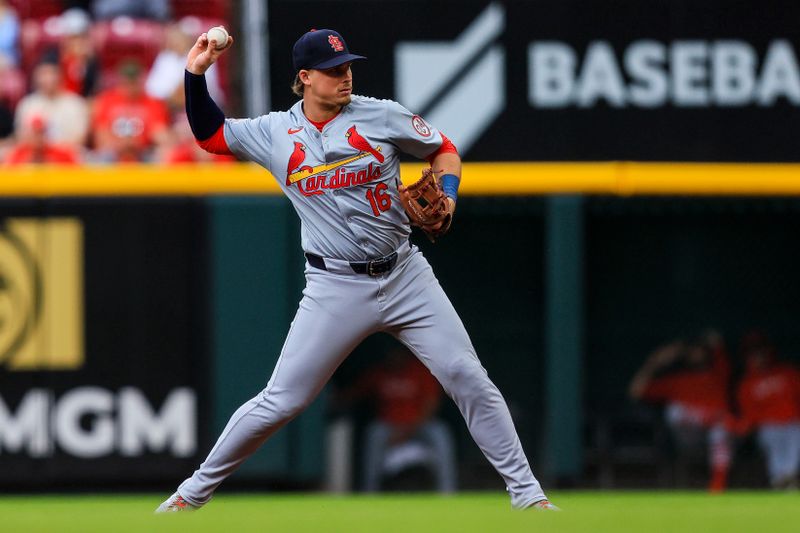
[[248, 139], [205, 118], [659, 359]]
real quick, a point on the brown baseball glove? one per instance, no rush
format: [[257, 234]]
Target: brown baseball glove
[[426, 205]]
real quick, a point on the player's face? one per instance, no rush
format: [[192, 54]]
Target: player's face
[[332, 86]]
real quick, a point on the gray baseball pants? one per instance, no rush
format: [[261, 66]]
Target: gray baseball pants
[[781, 445], [338, 310]]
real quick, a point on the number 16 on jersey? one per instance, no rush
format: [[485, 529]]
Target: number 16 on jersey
[[379, 199]]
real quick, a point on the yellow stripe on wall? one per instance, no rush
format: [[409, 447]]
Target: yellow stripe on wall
[[136, 179], [480, 179]]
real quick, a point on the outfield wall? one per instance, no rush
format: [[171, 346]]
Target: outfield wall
[[139, 305], [182, 291]]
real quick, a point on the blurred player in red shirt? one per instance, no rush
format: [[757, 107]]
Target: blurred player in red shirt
[[129, 125], [34, 147], [769, 402], [691, 380], [406, 397]]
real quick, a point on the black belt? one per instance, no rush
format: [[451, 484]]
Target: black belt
[[371, 268]]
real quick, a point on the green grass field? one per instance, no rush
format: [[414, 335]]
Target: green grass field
[[419, 513]]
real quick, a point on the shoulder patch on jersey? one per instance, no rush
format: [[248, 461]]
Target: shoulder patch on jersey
[[421, 126]]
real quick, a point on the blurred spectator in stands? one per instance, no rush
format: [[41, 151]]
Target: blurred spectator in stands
[[691, 380], [405, 432], [143, 9], [9, 36], [128, 125], [13, 84], [185, 148], [35, 147], [165, 80], [67, 113], [75, 53], [769, 402]]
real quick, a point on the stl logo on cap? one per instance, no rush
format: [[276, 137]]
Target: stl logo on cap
[[335, 43]]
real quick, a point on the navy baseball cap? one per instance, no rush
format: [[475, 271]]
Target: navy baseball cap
[[321, 49]]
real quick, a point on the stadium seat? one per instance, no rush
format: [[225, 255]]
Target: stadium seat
[[124, 38], [37, 9], [209, 8], [37, 35]]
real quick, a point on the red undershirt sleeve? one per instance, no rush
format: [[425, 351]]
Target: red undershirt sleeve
[[216, 143], [447, 147]]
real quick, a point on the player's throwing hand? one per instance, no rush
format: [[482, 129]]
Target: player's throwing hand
[[205, 53]]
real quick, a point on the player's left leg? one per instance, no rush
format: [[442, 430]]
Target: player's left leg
[[772, 445], [419, 314], [793, 461], [720, 453], [781, 446]]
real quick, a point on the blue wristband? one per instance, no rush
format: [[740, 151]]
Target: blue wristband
[[450, 184]]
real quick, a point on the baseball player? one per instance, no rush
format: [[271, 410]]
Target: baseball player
[[769, 399], [691, 380], [335, 155]]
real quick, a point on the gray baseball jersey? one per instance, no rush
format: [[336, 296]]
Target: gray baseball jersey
[[343, 183]]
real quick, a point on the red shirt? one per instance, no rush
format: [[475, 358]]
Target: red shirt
[[25, 153], [135, 118], [770, 396], [320, 125], [73, 71], [702, 392], [403, 395]]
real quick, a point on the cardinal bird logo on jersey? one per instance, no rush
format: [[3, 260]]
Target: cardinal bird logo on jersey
[[295, 160], [361, 144], [314, 180]]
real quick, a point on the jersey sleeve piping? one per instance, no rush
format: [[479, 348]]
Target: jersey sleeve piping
[[447, 147], [215, 144]]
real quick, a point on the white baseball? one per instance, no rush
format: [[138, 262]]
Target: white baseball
[[219, 34]]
